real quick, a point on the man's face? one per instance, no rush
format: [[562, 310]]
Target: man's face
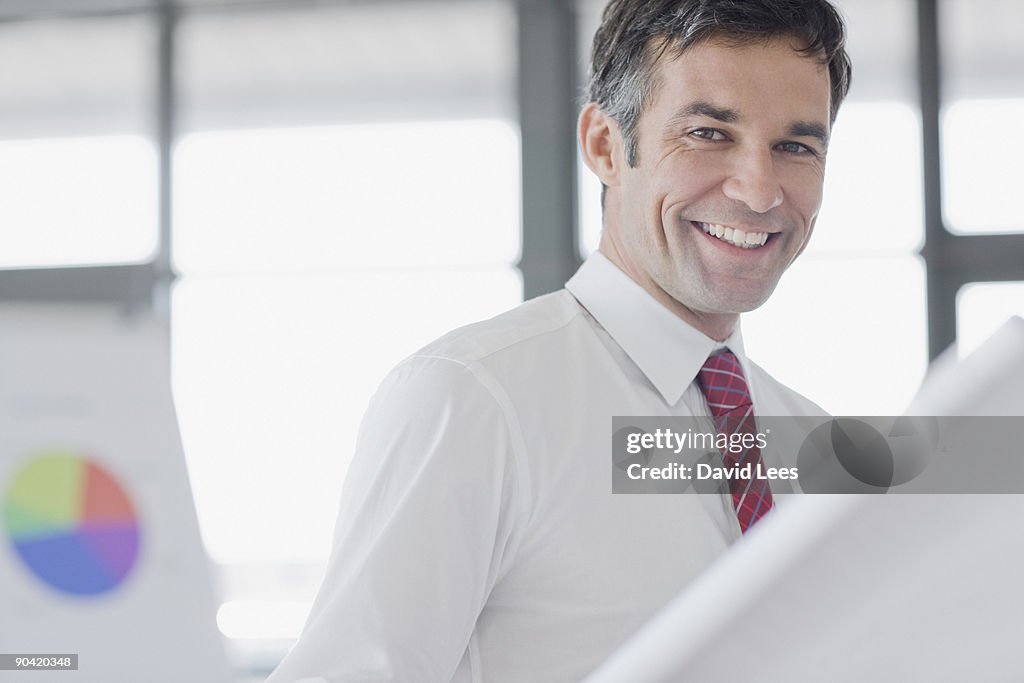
[[733, 142]]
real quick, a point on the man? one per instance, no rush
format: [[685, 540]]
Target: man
[[478, 538]]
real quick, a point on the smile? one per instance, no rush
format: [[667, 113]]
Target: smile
[[734, 236]]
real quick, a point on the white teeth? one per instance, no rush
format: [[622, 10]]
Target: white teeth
[[734, 236]]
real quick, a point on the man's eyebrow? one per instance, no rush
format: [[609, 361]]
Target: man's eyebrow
[[704, 108], [809, 129]]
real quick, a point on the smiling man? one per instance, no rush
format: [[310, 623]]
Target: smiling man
[[714, 190], [478, 537]]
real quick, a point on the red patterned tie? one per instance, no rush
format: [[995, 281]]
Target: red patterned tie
[[721, 379]]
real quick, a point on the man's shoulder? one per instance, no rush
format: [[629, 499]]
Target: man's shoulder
[[481, 360], [537, 320], [779, 399]]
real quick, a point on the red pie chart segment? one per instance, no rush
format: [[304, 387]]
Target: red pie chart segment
[[103, 501]]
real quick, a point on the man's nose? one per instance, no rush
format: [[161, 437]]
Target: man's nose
[[754, 182]]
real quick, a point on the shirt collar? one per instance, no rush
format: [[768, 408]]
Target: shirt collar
[[669, 351]]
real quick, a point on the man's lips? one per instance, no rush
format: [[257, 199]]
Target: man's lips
[[745, 239]]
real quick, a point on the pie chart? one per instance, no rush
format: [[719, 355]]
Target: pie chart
[[71, 523]]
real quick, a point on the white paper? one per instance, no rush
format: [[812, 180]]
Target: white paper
[[862, 588], [988, 382], [847, 588]]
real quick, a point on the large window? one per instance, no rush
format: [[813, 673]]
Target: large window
[[346, 188], [983, 105], [78, 167], [982, 308]]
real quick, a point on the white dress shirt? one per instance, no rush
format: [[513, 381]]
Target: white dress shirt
[[478, 537]]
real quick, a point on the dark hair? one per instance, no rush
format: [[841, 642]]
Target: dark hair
[[635, 34]]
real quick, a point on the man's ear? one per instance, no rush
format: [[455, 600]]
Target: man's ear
[[601, 144]]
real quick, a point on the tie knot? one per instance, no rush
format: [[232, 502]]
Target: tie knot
[[721, 379]]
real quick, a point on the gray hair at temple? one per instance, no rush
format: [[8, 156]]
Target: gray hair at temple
[[635, 34]]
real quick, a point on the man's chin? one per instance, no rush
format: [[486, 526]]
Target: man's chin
[[718, 296], [750, 304], [740, 296], [734, 301]]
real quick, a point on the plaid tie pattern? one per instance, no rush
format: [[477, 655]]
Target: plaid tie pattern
[[721, 379]]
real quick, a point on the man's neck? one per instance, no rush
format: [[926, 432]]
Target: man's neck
[[718, 326]]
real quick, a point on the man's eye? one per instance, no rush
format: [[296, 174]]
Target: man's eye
[[796, 148], [709, 134]]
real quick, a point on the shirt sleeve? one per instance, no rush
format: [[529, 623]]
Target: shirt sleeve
[[427, 522]]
